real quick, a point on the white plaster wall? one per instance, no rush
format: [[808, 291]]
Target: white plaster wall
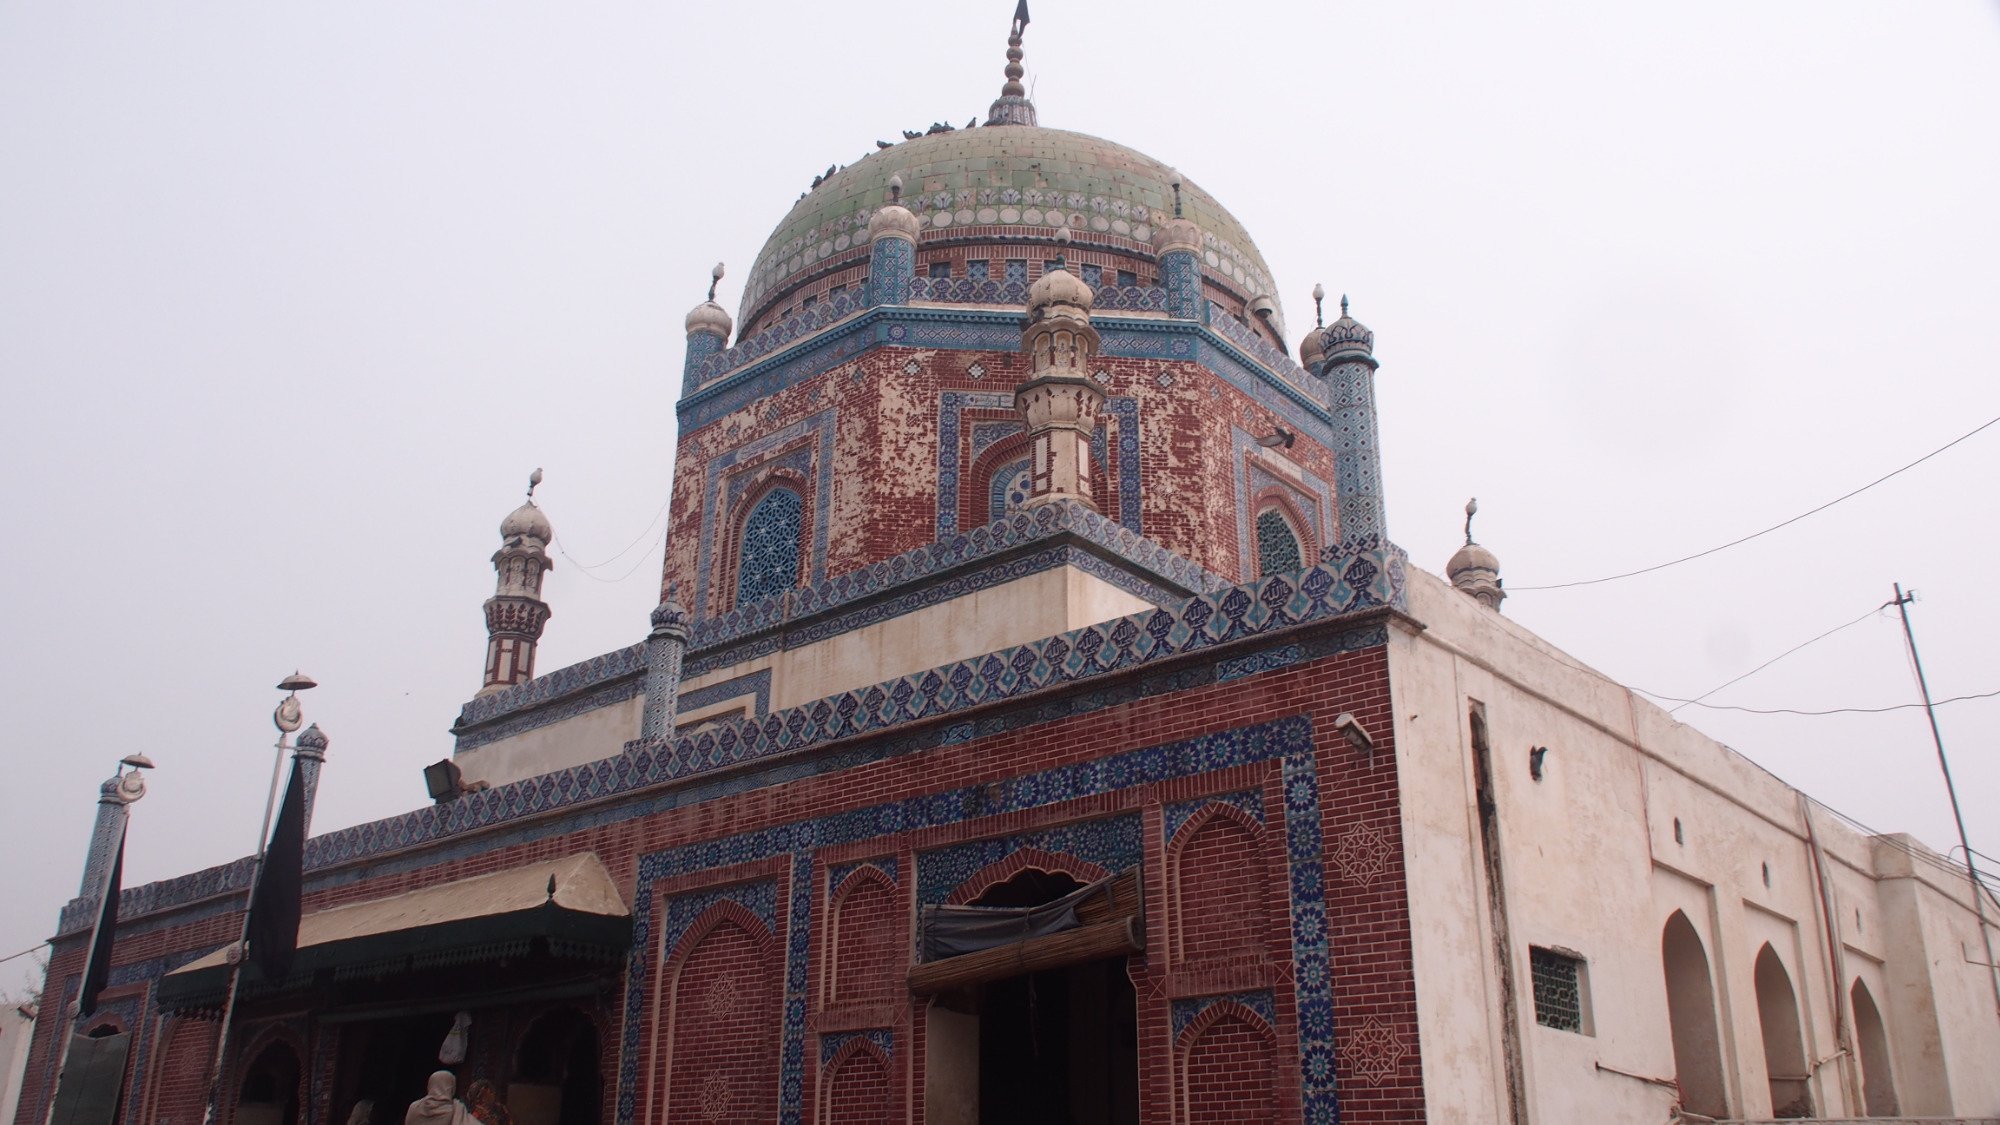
[[17, 1027], [1592, 865], [1026, 609], [589, 737]]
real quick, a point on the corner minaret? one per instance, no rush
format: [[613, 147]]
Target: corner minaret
[[708, 327], [516, 613], [892, 250], [1343, 353], [1012, 107], [1060, 402]]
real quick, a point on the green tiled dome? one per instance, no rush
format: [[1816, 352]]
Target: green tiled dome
[[1010, 176]]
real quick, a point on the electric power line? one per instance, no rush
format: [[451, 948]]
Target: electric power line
[[1766, 531], [1775, 659], [1828, 711]]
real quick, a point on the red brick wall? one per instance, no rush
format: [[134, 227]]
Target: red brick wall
[[869, 951], [722, 1054], [1220, 867], [181, 1065], [1230, 1073], [857, 1087], [683, 1042]]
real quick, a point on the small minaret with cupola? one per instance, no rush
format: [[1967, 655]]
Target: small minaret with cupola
[[516, 613], [1060, 402]]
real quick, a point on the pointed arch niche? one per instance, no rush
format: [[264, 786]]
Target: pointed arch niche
[[1878, 1078], [1785, 1062], [1691, 1012]]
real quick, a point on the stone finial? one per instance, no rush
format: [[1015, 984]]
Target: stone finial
[[1474, 569], [1012, 107]]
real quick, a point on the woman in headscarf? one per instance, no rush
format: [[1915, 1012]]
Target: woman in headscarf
[[483, 1100], [438, 1107]]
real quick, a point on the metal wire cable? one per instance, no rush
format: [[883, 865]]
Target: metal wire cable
[[1759, 534]]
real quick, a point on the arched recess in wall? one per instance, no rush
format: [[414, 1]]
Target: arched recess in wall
[[558, 1072], [1227, 1066], [1784, 1044], [722, 1019], [867, 951], [1217, 874], [856, 1086], [1282, 545], [1878, 1078], [1691, 1014], [269, 1094], [770, 545]]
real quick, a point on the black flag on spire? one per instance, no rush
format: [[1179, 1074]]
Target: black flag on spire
[[274, 903], [97, 971], [1020, 16]]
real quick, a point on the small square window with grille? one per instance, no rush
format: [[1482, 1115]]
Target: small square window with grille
[[1562, 991], [1093, 276], [1017, 270], [1051, 265], [940, 269], [1127, 278], [975, 269], [809, 302], [836, 291]]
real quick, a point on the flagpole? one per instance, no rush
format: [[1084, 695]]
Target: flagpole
[[287, 719], [126, 792]]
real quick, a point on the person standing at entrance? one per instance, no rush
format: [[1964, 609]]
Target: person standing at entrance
[[439, 1106]]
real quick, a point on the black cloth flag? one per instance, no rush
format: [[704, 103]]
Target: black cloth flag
[[274, 902], [1020, 15], [97, 970]]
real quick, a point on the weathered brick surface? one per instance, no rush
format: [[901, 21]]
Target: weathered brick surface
[[884, 467], [1217, 920]]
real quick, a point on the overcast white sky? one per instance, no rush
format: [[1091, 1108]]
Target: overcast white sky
[[293, 296]]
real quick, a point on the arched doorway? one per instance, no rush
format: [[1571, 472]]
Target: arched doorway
[[270, 1091], [1061, 1044], [1784, 1045], [556, 1078], [1691, 1015], [1878, 1079]]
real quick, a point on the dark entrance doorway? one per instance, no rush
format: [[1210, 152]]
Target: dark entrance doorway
[[270, 1093], [391, 1062], [556, 1079], [1058, 1046]]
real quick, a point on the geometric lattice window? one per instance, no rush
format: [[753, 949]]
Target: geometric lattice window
[[1559, 989], [768, 563], [1277, 545], [1093, 276], [1009, 487]]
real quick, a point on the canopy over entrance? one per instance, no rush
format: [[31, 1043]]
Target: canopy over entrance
[[570, 905]]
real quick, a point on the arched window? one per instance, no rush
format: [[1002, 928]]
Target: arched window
[[1007, 489], [1784, 1046], [767, 563], [1878, 1081], [1278, 550], [1691, 1017]]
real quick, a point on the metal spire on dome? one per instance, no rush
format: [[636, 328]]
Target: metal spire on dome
[[1012, 107], [1471, 510]]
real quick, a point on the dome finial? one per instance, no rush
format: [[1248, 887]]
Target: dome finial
[[1343, 304], [1174, 179], [534, 482], [1471, 510], [1475, 570], [896, 188], [1013, 106], [1319, 305], [714, 279]]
